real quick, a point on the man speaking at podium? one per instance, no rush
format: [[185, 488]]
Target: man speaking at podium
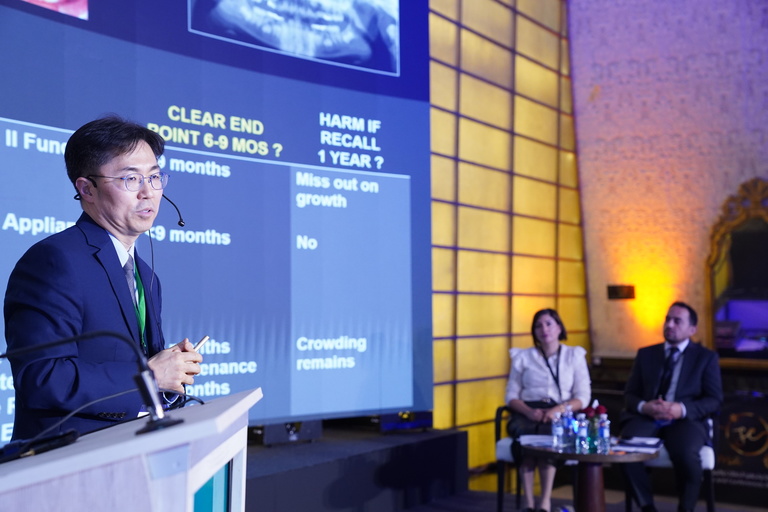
[[89, 278]]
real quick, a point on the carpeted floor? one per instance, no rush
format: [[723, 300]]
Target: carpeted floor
[[480, 501]]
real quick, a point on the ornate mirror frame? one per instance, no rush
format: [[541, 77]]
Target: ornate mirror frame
[[751, 202]]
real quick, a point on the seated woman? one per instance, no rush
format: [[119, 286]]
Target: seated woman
[[543, 381]]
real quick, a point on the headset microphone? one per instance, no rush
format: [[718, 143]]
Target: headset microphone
[[181, 221]]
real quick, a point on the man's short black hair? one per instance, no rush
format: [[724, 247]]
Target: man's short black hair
[[694, 318], [99, 141]]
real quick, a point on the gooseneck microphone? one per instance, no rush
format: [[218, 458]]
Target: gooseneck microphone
[[145, 379], [181, 221]]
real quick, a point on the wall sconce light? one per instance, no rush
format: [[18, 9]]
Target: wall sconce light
[[621, 291]]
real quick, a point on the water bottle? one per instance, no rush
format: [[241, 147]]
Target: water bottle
[[569, 431], [582, 434], [604, 435], [557, 432]]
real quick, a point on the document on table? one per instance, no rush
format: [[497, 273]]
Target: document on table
[[535, 440], [638, 444]]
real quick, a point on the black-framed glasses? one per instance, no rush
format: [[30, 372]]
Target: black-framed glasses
[[134, 181]]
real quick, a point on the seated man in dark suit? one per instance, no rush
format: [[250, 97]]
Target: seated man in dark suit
[[672, 390]]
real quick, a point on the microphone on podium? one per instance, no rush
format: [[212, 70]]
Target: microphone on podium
[[145, 379]]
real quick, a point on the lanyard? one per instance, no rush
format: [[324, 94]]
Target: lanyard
[[555, 376], [141, 310]]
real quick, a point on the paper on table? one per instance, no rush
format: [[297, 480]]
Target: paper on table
[[641, 441], [637, 449], [535, 440], [638, 444]]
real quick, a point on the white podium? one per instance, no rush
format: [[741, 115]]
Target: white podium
[[114, 469]]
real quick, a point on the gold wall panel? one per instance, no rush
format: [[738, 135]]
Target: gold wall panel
[[571, 244], [483, 272], [480, 357], [533, 275], [443, 132], [533, 236], [489, 18], [534, 198], [444, 399], [443, 178], [443, 223], [546, 12], [484, 144], [443, 315], [489, 188], [443, 86], [444, 355], [486, 59], [535, 120], [443, 40], [507, 237], [569, 209], [538, 43], [479, 315], [483, 229], [535, 159], [536, 82], [481, 444], [475, 398], [443, 269], [570, 278], [449, 8], [573, 312], [485, 102]]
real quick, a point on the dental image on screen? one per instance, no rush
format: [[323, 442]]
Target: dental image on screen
[[76, 8], [354, 33]]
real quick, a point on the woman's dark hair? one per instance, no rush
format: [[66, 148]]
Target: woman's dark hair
[[555, 317]]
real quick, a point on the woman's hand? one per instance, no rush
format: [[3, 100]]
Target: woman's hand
[[550, 413], [537, 415]]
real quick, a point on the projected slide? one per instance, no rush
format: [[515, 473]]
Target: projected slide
[[305, 253]]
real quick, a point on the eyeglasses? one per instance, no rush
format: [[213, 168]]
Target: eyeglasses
[[134, 181]]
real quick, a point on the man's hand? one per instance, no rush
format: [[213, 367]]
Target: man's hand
[[675, 410], [176, 366], [661, 410]]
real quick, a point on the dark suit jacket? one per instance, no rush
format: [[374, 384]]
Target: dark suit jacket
[[68, 284], [699, 386]]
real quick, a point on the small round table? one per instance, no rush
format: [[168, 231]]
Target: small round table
[[589, 493]]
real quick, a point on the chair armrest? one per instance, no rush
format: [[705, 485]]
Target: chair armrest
[[713, 430], [501, 413]]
